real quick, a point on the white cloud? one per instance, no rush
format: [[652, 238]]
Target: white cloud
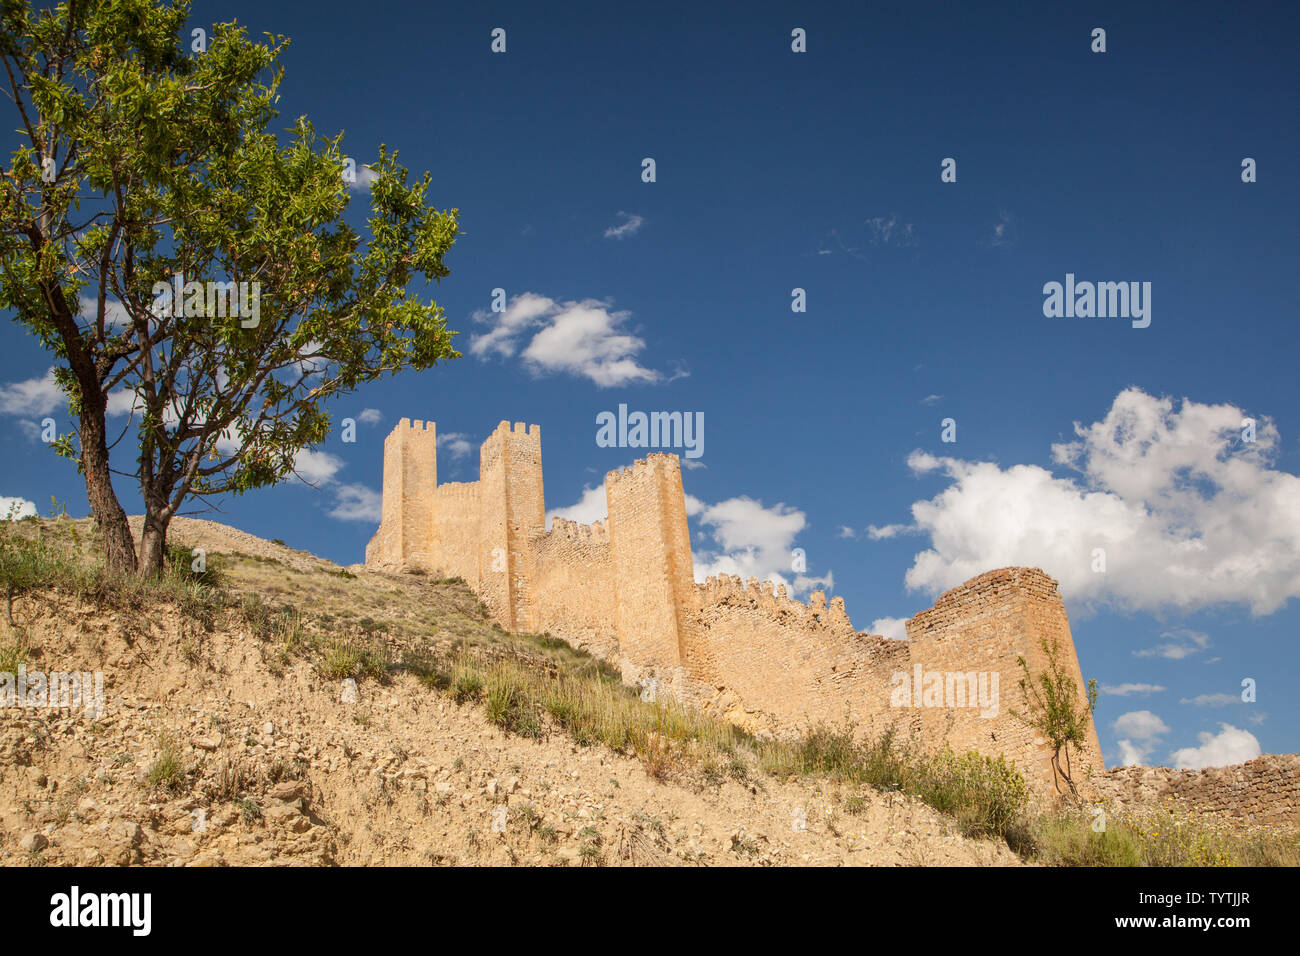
[[892, 627], [370, 416], [457, 445], [1228, 747], [1188, 515], [356, 503], [847, 532], [33, 396], [889, 531], [589, 508], [932, 400], [1140, 730], [16, 508], [123, 402], [115, 314], [1127, 690], [1211, 700], [1131, 754], [741, 537], [1140, 725], [41, 396], [583, 339], [365, 178], [751, 540], [316, 467], [1178, 644], [628, 227]]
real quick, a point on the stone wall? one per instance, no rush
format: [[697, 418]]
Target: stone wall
[[984, 626], [1265, 790], [626, 591], [575, 579]]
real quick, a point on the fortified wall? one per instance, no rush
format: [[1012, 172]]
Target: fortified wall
[[1263, 791], [625, 590]]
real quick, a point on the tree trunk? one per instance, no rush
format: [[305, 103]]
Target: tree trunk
[[153, 546], [119, 548]]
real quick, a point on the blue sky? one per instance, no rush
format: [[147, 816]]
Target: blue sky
[[820, 171]]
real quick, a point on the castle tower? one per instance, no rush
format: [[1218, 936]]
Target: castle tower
[[981, 628], [650, 549], [405, 535], [512, 510]]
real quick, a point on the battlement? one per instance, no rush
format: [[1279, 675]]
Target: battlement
[[417, 425], [730, 589], [594, 533], [624, 588], [656, 464]]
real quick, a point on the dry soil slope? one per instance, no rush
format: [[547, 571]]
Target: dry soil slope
[[278, 769]]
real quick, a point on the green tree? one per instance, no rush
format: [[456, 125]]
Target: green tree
[[1056, 710], [147, 156]]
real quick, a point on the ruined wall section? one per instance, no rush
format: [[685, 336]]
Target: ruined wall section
[[982, 627], [651, 561], [574, 587], [407, 516], [1264, 791], [777, 666]]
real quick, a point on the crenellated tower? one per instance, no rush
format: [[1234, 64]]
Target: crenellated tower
[[512, 511]]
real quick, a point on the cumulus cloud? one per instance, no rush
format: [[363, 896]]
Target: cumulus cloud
[[753, 540], [630, 225], [115, 314], [33, 396], [355, 502], [847, 532], [365, 178], [738, 536], [1187, 514], [316, 467], [892, 627], [588, 509], [1230, 745], [370, 416], [40, 396], [583, 339], [1128, 690], [1139, 731], [457, 444], [16, 508]]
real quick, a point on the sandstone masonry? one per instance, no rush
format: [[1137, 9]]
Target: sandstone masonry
[[625, 590]]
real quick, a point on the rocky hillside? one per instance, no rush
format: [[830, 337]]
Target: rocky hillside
[[274, 708]]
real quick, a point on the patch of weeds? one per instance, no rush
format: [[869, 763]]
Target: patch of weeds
[[167, 772], [249, 810], [589, 846]]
